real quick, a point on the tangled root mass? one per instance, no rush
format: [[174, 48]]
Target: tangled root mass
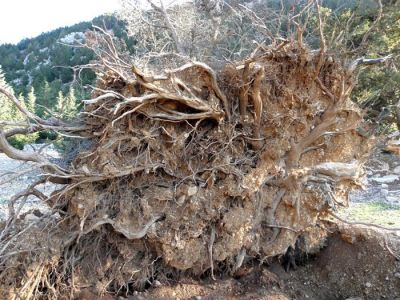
[[194, 171]]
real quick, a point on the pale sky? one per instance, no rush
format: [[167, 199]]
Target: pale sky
[[28, 18]]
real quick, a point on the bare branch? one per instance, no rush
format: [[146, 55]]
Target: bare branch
[[363, 223], [28, 130], [368, 61], [213, 82], [171, 28], [322, 39], [18, 154], [20, 107]]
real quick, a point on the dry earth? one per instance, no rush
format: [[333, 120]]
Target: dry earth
[[16, 176], [356, 269]]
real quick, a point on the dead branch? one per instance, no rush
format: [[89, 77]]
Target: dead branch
[[368, 61], [322, 40], [31, 190], [20, 107], [397, 257], [210, 251], [281, 227], [257, 102], [171, 28], [18, 154], [363, 223], [244, 92], [28, 130], [213, 82]]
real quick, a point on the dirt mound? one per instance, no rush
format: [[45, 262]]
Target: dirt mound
[[196, 171], [362, 269]]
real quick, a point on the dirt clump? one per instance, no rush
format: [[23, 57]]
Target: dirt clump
[[363, 269]]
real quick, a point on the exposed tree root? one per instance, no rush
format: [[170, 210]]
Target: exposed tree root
[[185, 174]]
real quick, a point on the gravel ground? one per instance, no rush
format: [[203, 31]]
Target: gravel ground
[[382, 183], [16, 176]]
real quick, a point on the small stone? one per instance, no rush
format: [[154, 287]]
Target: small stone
[[197, 298], [31, 218], [396, 170], [384, 186], [397, 275], [181, 200], [392, 199], [192, 191], [368, 284], [156, 283], [385, 179]]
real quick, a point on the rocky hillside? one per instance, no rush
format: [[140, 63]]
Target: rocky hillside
[[43, 62]]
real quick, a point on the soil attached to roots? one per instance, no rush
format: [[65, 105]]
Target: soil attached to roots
[[194, 172]]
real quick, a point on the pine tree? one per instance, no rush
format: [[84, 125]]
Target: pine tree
[[70, 107], [44, 94], [15, 112], [8, 111], [3, 82], [31, 103], [60, 102]]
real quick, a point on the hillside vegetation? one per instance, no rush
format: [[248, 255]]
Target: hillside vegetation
[[46, 65]]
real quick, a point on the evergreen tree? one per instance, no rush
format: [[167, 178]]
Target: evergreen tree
[[43, 97], [3, 82], [15, 112], [60, 102], [31, 104], [70, 106], [7, 109], [9, 112], [46, 92]]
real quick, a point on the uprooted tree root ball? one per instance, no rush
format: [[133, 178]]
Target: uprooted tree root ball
[[192, 170]]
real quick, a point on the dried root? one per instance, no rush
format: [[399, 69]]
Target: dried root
[[176, 163]]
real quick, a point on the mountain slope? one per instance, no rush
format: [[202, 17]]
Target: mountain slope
[[44, 62]]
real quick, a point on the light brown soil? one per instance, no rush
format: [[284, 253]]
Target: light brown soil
[[360, 268]]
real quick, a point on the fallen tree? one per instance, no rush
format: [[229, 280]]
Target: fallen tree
[[188, 170]]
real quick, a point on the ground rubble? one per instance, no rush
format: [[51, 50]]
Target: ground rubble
[[382, 180]]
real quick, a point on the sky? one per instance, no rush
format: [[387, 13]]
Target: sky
[[28, 18]]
